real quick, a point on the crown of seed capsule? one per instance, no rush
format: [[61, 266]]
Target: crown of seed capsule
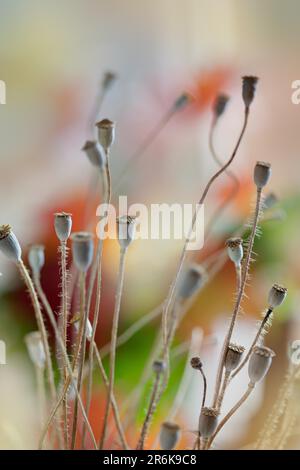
[[36, 258], [126, 227], [208, 422], [262, 173], [192, 279], [220, 105], [233, 356], [62, 225], [259, 363], [95, 153], [235, 249], [82, 250], [9, 244], [36, 349], [276, 296], [249, 87], [169, 435], [196, 362], [106, 133]]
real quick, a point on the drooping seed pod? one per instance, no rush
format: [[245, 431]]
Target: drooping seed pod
[[249, 87], [36, 349], [9, 244], [95, 153], [192, 279], [220, 105], [259, 363], [208, 422], [182, 101], [126, 227], [270, 200], [262, 173], [235, 249], [196, 362], [158, 366], [233, 356], [108, 79], [82, 250], [62, 225], [106, 133], [169, 435], [276, 296], [36, 258]]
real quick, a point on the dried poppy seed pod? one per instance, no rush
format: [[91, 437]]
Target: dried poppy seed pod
[[235, 249], [106, 133], [9, 244], [249, 87], [36, 349], [169, 435], [191, 280], [233, 356], [276, 296], [208, 422], [95, 153], [82, 250], [36, 258], [270, 200], [262, 173], [158, 366], [196, 362], [126, 227], [62, 225], [220, 105], [259, 363], [182, 101]]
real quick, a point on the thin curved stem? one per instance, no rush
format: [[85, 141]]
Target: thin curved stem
[[113, 401], [149, 414], [231, 412], [81, 352], [254, 342], [245, 270], [230, 174], [41, 326], [71, 379], [114, 335], [96, 269]]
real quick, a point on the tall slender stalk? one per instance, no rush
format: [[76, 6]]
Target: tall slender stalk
[[114, 334], [70, 379], [79, 361], [96, 269], [245, 270], [64, 328], [231, 412], [41, 326], [39, 373]]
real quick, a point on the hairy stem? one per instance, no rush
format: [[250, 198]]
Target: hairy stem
[[149, 414], [70, 379], [41, 326], [245, 270]]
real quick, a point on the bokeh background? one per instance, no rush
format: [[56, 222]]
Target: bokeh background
[[52, 58]]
